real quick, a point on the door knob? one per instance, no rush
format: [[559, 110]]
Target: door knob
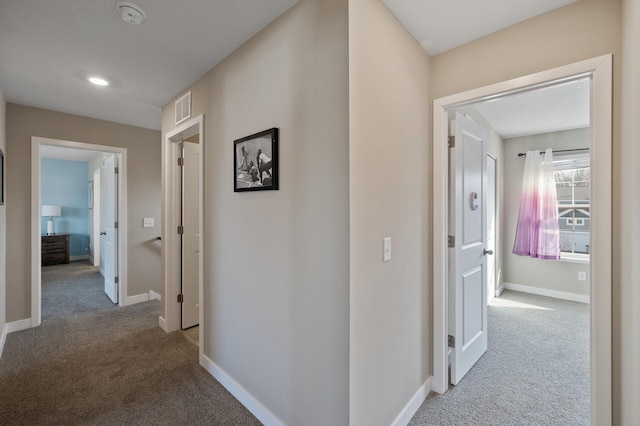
[[486, 252], [103, 233]]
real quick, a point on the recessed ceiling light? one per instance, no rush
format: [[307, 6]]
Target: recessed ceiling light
[[98, 81]]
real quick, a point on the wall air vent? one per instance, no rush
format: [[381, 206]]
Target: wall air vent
[[183, 108]]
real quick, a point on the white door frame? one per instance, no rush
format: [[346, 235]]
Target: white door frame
[[36, 277], [600, 70], [171, 219]]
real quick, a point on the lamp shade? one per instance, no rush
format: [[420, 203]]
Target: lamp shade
[[50, 210]]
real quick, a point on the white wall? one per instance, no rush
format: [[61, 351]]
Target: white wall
[[277, 262], [545, 274], [390, 177]]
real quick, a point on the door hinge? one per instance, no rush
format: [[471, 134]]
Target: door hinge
[[451, 341], [116, 280], [451, 141], [180, 229], [116, 170], [451, 241], [180, 298], [115, 225], [180, 161]]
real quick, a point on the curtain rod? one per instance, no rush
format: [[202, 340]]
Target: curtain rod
[[522, 154]]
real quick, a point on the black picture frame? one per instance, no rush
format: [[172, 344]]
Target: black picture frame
[[1, 178], [255, 162]]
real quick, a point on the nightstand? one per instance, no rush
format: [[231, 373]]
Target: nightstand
[[55, 249]]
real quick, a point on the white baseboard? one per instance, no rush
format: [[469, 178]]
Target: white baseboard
[[413, 404], [3, 338], [138, 298], [18, 325], [144, 297], [163, 324], [546, 292], [76, 258], [500, 290], [256, 408]]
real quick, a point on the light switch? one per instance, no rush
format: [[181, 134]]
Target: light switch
[[148, 222], [582, 276], [386, 249]]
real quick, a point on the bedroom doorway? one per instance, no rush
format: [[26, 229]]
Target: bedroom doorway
[[599, 72], [79, 243]]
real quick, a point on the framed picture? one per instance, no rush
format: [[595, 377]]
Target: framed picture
[[1, 178], [90, 195], [255, 162]]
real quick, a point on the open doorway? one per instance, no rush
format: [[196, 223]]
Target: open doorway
[[69, 177], [183, 184], [598, 70]]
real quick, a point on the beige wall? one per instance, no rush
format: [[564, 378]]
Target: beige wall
[[558, 276], [389, 116], [585, 29], [627, 227], [3, 224], [277, 262], [143, 151]]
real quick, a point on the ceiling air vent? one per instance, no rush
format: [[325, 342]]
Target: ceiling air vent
[[183, 108]]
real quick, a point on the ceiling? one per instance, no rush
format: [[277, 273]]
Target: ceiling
[[50, 48], [564, 106], [441, 25]]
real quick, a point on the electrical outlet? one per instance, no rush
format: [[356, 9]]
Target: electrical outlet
[[582, 276], [148, 222]]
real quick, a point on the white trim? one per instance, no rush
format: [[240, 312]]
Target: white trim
[[547, 292], [500, 290], [575, 258], [36, 278], [19, 325], [138, 298], [414, 404], [154, 296], [77, 258], [600, 69], [252, 404], [170, 250], [162, 323], [3, 338]]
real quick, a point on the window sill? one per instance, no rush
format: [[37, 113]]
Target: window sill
[[572, 258]]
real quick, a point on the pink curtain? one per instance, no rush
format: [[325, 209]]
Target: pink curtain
[[538, 233]]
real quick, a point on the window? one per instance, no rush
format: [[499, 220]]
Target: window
[[572, 176]]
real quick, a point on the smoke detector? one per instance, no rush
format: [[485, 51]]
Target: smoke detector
[[131, 13]]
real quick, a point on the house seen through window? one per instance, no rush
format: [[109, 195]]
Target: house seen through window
[[572, 177]]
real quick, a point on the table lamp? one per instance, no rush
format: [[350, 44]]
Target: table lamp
[[51, 211]]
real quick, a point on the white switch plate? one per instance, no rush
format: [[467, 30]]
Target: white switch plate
[[582, 276], [148, 222], [386, 249]]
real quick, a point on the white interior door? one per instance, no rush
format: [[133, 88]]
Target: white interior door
[[467, 257], [109, 227], [191, 234], [491, 227]]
